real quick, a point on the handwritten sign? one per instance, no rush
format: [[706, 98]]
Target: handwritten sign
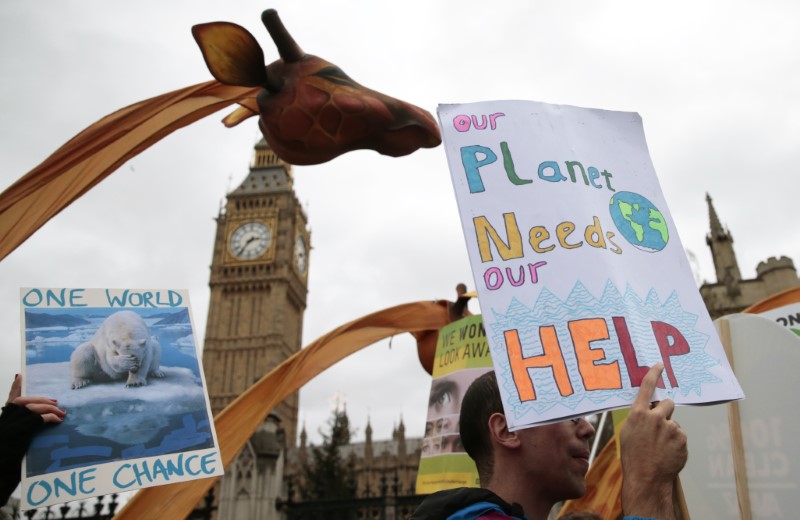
[[124, 365], [462, 355], [582, 280]]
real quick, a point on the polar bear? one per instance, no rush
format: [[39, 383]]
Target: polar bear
[[122, 346]]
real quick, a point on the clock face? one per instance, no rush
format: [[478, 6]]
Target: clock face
[[300, 254], [250, 240]]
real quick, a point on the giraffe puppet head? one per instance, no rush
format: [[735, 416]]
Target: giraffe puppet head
[[311, 111]]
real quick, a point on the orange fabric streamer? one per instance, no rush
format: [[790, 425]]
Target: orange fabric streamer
[[240, 419], [101, 148], [776, 300]]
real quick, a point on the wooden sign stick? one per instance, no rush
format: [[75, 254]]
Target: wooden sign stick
[[735, 427], [679, 501]]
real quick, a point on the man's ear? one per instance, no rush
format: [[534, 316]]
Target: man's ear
[[498, 429]]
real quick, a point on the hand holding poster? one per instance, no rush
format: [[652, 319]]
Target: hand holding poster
[[124, 365], [582, 280]]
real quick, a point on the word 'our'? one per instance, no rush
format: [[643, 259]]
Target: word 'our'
[[463, 123]]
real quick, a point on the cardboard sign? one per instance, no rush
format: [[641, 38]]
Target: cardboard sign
[[582, 280], [765, 356], [462, 355], [124, 365], [787, 315]]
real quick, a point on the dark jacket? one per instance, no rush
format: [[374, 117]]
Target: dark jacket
[[465, 504], [17, 428]]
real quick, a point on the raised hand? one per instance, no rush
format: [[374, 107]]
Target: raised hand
[[653, 451]]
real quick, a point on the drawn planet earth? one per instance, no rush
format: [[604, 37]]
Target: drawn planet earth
[[639, 221]]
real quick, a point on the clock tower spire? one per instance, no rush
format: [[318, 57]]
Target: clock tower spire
[[258, 285]]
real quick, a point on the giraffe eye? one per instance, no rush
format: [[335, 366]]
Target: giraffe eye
[[335, 75]]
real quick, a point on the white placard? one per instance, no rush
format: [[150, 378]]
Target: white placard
[[582, 280], [787, 315], [765, 355], [124, 365]]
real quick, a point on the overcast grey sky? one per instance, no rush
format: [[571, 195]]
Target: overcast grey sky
[[715, 83]]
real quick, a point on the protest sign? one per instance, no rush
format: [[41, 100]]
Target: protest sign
[[787, 315], [462, 355], [124, 366], [761, 435], [582, 280], [783, 308]]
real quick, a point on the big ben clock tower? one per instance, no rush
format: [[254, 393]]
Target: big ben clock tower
[[258, 285]]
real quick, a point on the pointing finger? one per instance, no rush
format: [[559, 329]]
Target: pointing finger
[[647, 387]]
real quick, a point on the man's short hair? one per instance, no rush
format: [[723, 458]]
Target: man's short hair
[[481, 400]]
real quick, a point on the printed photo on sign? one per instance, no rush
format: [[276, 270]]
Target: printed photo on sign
[[125, 367], [462, 355], [441, 428]]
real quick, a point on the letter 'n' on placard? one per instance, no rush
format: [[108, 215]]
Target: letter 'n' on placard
[[484, 232]]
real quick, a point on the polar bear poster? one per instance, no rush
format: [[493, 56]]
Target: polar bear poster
[[122, 348], [124, 364]]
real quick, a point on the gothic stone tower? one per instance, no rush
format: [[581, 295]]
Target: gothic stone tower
[[258, 285], [731, 293], [720, 241]]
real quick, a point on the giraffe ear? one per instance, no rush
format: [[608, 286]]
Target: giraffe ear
[[232, 54]]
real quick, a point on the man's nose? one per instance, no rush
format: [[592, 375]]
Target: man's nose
[[585, 428]]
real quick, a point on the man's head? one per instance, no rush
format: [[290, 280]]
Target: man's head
[[481, 400], [552, 458]]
